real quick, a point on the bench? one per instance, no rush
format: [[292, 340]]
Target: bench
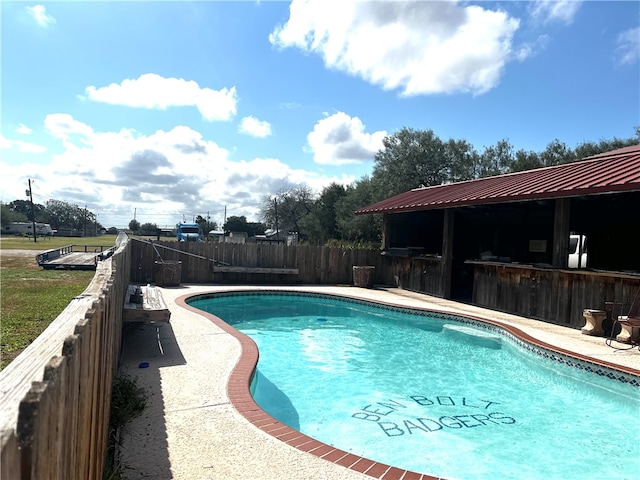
[[144, 304], [230, 269]]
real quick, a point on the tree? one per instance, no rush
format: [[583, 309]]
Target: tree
[[418, 158], [461, 159], [359, 228], [496, 160], [205, 224], [587, 149], [320, 224], [290, 207], [526, 161], [240, 224], [62, 214], [410, 158], [7, 215], [134, 225], [22, 208], [557, 153], [147, 228]]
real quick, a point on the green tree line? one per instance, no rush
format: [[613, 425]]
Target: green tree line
[[410, 159], [57, 213]]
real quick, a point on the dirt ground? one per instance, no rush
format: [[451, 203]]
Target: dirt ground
[[13, 256], [19, 253]]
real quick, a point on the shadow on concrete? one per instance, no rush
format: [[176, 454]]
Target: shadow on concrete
[[146, 348]]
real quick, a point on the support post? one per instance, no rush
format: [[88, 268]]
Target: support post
[[561, 233], [386, 232], [447, 251]]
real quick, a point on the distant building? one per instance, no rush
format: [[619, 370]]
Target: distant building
[[237, 237], [26, 228]]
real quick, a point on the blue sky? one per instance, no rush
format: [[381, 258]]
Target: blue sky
[[170, 109]]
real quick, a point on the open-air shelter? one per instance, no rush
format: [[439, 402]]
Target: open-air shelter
[[503, 242]]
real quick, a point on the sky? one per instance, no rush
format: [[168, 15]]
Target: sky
[[162, 111]]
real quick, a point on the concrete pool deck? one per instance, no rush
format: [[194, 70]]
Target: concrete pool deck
[[190, 428]]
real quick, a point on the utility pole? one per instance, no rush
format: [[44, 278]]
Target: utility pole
[[33, 213], [275, 205]]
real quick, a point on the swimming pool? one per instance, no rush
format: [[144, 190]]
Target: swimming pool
[[433, 393]]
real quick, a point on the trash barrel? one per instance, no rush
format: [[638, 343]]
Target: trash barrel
[[168, 273], [363, 276]]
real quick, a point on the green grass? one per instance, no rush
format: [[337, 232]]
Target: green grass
[[13, 242], [31, 298], [127, 401]]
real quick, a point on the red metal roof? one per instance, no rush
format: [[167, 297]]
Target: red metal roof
[[614, 171]]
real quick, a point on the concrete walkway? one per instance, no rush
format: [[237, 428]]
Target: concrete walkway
[[190, 430]]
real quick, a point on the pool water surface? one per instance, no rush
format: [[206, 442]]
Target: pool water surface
[[431, 393]]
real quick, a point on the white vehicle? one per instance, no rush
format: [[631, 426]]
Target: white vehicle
[[577, 251], [26, 228]]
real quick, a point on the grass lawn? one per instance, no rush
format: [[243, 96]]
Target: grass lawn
[[13, 242], [31, 297]]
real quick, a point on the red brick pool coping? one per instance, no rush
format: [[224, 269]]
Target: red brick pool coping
[[238, 390]]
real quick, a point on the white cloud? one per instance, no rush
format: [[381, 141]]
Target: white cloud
[[163, 175], [416, 47], [563, 11], [63, 125], [39, 14], [289, 105], [527, 50], [155, 92], [256, 128], [23, 129], [20, 145], [628, 49], [341, 139]]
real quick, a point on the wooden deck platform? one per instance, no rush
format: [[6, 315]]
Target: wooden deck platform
[[144, 303], [74, 257]]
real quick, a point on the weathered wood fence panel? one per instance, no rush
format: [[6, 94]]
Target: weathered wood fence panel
[[314, 265], [414, 273], [555, 296], [55, 397]]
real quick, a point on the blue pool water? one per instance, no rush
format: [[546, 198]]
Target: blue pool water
[[431, 393]]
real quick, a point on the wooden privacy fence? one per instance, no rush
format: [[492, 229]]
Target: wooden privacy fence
[[252, 263], [261, 263], [55, 397]]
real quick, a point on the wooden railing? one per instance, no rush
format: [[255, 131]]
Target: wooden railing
[[61, 251], [55, 397]]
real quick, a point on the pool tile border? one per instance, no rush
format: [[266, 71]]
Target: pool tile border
[[239, 383]]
